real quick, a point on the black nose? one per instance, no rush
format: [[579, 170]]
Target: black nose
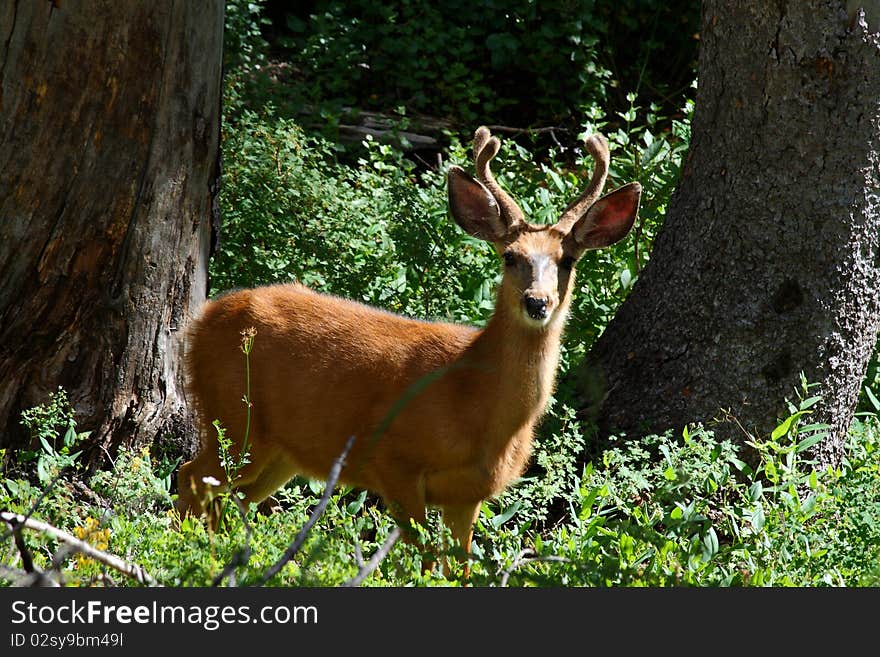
[[536, 308]]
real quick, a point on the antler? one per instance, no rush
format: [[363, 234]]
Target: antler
[[485, 148], [597, 146]]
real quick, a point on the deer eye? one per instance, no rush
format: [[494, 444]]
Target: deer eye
[[567, 262], [509, 258]]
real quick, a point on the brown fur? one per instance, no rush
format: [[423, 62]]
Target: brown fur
[[325, 368]]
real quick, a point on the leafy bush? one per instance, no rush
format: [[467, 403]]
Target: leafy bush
[[700, 516], [370, 233], [454, 59], [133, 486], [468, 62]]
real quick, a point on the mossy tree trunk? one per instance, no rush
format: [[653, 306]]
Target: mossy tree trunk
[[767, 265], [109, 138]]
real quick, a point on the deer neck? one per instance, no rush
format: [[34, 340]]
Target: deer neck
[[518, 366]]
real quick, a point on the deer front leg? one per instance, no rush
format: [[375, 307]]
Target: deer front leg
[[406, 504], [460, 520]]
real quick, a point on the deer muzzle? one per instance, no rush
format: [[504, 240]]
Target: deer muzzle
[[536, 307]]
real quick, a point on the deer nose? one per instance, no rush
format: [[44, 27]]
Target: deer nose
[[535, 307]]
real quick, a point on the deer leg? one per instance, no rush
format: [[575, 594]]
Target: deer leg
[[276, 472], [407, 505], [192, 490], [460, 520]]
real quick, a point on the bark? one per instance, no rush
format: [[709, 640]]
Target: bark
[[767, 264], [109, 138]]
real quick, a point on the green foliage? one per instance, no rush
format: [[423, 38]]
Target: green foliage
[[700, 516], [45, 422], [373, 233], [244, 47], [666, 511], [457, 58], [134, 486], [525, 62]]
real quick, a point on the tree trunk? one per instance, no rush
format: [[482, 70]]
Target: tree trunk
[[109, 138], [767, 265]]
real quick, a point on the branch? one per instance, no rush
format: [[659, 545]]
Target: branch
[[131, 570], [357, 133], [523, 558], [300, 538], [552, 129], [27, 561], [365, 569]]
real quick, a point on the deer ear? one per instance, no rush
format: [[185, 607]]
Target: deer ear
[[608, 220], [473, 207]]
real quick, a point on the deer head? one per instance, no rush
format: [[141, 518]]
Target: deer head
[[539, 260]]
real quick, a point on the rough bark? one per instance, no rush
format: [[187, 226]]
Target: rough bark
[[767, 264], [109, 138]]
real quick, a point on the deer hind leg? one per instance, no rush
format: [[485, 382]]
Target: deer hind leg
[[460, 520]]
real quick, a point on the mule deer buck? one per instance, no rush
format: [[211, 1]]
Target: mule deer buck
[[324, 368]]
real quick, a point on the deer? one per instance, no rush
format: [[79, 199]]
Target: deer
[[324, 368]]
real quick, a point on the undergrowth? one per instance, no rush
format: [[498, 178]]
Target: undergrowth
[[669, 510]]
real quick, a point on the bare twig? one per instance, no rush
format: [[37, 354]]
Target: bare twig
[[300, 538], [365, 569], [27, 561], [241, 556], [131, 570], [523, 558]]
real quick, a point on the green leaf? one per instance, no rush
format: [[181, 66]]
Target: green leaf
[[710, 544], [871, 398], [43, 471], [505, 515], [809, 504], [70, 434], [809, 441], [758, 518], [587, 504], [557, 181], [814, 426], [756, 490], [652, 152], [46, 446], [357, 505], [812, 401], [785, 427]]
